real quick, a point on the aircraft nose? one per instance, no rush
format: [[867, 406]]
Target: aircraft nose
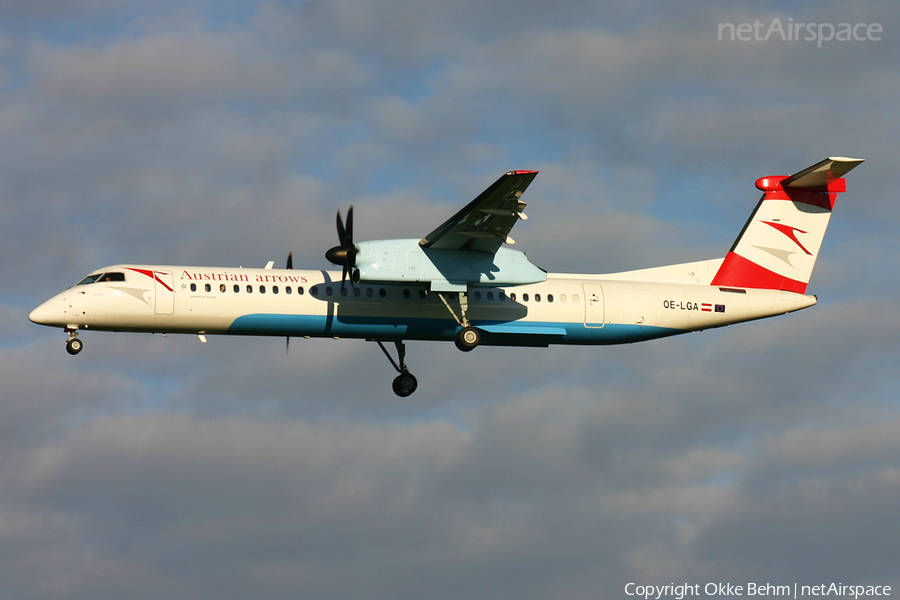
[[39, 315]]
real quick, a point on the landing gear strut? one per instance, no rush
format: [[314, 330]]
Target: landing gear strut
[[74, 345], [468, 337], [405, 383]]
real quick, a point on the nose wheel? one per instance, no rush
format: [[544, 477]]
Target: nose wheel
[[74, 345]]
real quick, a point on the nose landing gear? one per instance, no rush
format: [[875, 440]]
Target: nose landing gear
[[73, 345]]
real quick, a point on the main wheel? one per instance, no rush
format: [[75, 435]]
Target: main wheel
[[467, 339], [405, 384], [74, 346]]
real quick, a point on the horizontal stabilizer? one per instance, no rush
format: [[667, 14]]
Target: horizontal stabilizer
[[822, 174]]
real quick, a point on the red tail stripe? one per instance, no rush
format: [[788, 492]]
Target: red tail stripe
[[737, 271]]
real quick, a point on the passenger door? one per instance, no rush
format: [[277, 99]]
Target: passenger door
[[594, 307], [165, 292]]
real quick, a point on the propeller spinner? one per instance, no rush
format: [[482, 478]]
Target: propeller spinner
[[345, 253]]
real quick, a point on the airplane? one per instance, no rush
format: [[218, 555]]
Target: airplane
[[462, 282]]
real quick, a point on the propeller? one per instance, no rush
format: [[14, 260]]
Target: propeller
[[289, 266], [345, 253]]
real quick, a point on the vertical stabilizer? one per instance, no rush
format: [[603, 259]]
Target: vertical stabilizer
[[778, 246]]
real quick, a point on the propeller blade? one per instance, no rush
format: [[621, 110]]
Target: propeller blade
[[340, 229], [349, 226], [345, 253]]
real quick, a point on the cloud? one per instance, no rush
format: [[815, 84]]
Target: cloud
[[163, 74]]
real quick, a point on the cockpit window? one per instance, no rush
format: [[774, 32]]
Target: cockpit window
[[102, 277], [90, 279]]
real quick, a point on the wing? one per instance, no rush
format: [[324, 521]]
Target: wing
[[484, 224]]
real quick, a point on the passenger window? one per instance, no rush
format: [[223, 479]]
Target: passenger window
[[562, 297], [549, 297], [512, 296], [406, 293], [478, 295], [490, 295], [262, 289], [382, 292], [287, 289], [575, 298], [314, 290], [274, 289], [249, 289], [328, 290], [207, 287], [356, 291], [423, 293], [300, 290], [537, 297], [501, 295], [222, 287], [343, 291], [193, 287], [370, 292], [237, 288], [524, 297]]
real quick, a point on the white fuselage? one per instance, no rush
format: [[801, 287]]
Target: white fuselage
[[564, 309]]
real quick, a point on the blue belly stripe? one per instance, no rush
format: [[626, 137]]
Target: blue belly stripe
[[522, 328], [502, 333]]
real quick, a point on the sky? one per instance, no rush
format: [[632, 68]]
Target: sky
[[228, 133]]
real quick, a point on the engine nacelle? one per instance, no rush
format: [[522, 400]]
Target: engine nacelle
[[404, 261]]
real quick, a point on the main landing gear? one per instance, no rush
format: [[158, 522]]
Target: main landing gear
[[73, 344], [466, 340], [468, 337], [405, 383]]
